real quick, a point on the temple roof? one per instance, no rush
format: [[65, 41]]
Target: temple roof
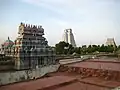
[[8, 43]]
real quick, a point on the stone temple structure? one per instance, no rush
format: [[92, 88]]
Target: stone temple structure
[[68, 37], [7, 47], [110, 41], [30, 50]]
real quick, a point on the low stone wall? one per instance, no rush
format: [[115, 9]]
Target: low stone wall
[[17, 76]]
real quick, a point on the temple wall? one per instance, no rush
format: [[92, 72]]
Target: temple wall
[[17, 76]]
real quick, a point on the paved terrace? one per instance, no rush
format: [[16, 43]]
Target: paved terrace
[[56, 83], [95, 64], [40, 84], [71, 77]]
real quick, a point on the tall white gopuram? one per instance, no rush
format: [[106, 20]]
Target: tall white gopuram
[[68, 37], [65, 36]]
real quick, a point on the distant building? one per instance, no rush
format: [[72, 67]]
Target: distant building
[[111, 41], [68, 37], [7, 47], [65, 36], [30, 49]]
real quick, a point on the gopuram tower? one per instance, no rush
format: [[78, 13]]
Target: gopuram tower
[[31, 48], [68, 37]]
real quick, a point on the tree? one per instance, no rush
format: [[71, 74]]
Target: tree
[[118, 47], [110, 48], [84, 49], [60, 47], [89, 49], [78, 50], [95, 48], [64, 48], [71, 49], [102, 48]]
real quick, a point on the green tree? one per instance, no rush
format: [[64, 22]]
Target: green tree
[[89, 49], [95, 48], [78, 50], [84, 49], [60, 47], [64, 48], [110, 48], [71, 49], [102, 48]]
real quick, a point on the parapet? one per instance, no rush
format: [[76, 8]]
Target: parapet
[[30, 26]]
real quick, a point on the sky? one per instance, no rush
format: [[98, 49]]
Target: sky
[[92, 21]]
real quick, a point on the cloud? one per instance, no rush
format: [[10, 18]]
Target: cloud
[[87, 18], [91, 20], [59, 6], [76, 9]]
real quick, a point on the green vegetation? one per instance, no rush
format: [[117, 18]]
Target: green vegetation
[[63, 48]]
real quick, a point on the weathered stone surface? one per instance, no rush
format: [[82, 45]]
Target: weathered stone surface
[[17, 76]]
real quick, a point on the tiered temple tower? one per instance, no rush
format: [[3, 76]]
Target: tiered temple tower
[[31, 48], [65, 36], [68, 37], [110, 41]]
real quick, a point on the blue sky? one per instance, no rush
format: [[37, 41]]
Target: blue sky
[[92, 21]]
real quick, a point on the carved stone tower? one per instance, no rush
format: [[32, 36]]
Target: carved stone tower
[[31, 48]]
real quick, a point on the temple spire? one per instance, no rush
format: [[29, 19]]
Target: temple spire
[[8, 38]]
